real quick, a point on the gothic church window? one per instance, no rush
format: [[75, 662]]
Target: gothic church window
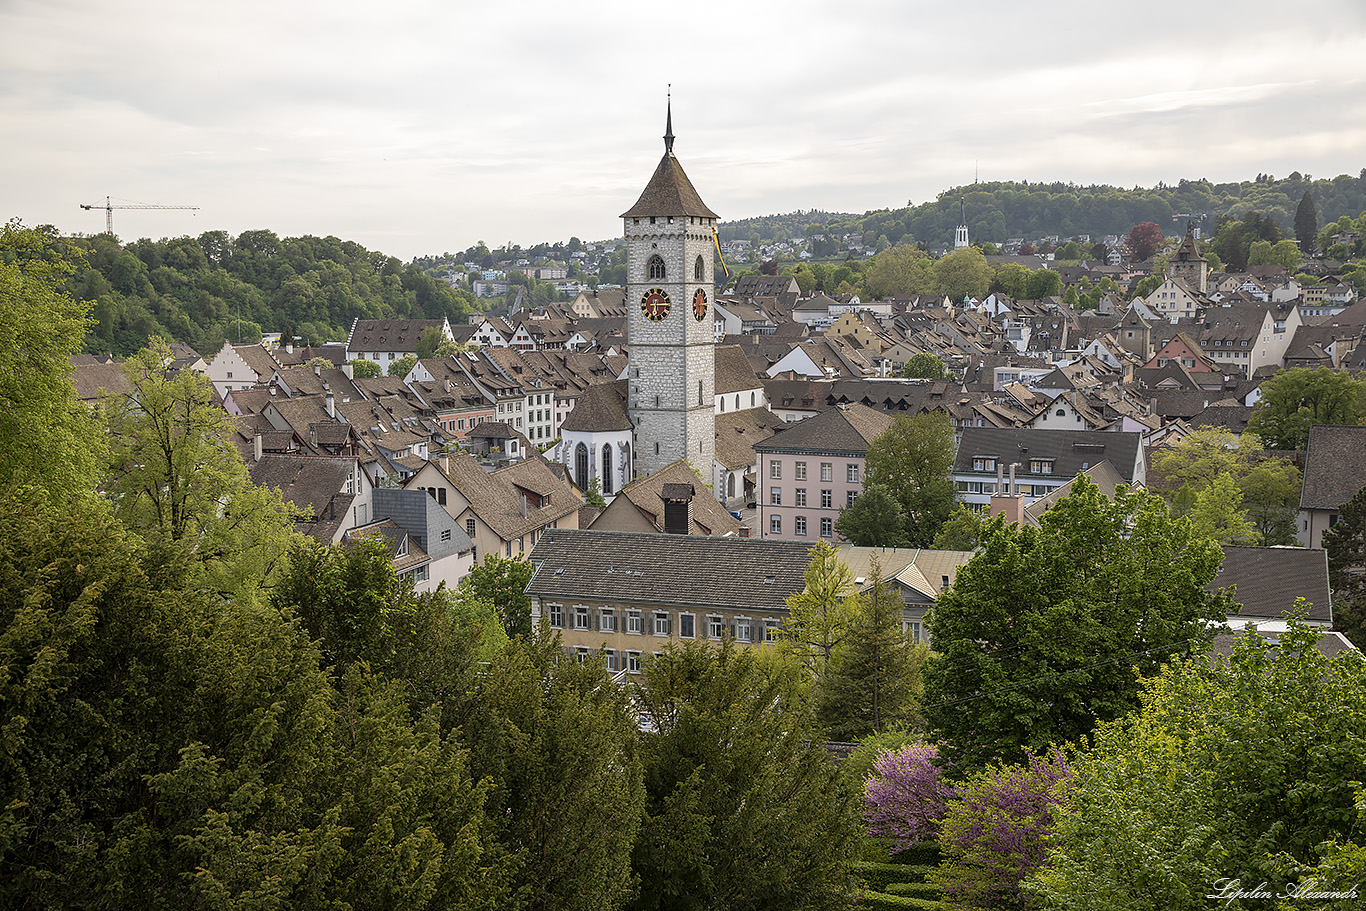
[[655, 268]]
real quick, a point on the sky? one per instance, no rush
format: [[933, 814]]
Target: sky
[[417, 127]]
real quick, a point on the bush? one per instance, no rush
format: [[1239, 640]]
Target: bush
[[879, 876], [881, 901], [907, 797]]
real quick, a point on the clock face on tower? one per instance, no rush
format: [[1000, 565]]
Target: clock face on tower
[[699, 305], [654, 304]]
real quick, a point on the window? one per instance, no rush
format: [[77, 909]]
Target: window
[[655, 268], [775, 525], [983, 463], [607, 620], [744, 629], [775, 469], [849, 496], [635, 623], [801, 497], [827, 528], [799, 526], [827, 471], [687, 626], [661, 623], [581, 617], [773, 630], [851, 473], [1040, 466], [610, 656], [699, 270], [581, 653], [911, 628], [801, 471], [827, 499], [441, 495], [556, 614], [422, 573], [633, 662], [716, 627], [775, 496], [469, 528], [445, 534]]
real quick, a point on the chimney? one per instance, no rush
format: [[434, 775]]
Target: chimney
[[258, 444], [1014, 490], [289, 349], [329, 403], [677, 508], [1000, 477], [348, 371], [317, 369]]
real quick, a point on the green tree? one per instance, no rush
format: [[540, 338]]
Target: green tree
[[1345, 543], [557, 740], [743, 809], [964, 530], [962, 274], [1271, 493], [819, 615], [901, 270], [401, 366], [502, 582], [1241, 769], [176, 477], [924, 366], [1043, 283], [1306, 224], [365, 370], [1042, 631], [912, 461], [427, 343], [1218, 513], [874, 679], [1292, 401], [48, 441], [874, 520]]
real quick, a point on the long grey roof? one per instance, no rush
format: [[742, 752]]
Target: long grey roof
[[845, 429], [1269, 579], [1070, 450], [736, 573], [1334, 466]]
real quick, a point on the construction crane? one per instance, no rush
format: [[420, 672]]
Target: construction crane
[[1197, 217], [109, 208]]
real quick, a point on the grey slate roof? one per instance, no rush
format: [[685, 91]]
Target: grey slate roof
[[599, 408], [844, 429], [1335, 466], [1269, 579], [1072, 451], [667, 569]]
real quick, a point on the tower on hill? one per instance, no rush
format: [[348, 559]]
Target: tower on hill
[[669, 287]]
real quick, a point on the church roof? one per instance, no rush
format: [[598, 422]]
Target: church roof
[[669, 192], [600, 408]]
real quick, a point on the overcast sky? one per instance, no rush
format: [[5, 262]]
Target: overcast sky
[[422, 126]]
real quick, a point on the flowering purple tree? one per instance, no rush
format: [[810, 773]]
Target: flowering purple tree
[[993, 834], [906, 797]]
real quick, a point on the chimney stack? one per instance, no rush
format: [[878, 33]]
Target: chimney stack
[[329, 403], [258, 445]]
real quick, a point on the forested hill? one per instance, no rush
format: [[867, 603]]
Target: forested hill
[[195, 290], [1001, 210]]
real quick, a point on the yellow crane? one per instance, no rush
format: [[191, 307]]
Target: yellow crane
[[109, 208]]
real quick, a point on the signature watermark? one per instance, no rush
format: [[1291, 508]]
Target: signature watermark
[[1229, 890]]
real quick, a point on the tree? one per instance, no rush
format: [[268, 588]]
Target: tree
[[924, 366], [818, 616], [1218, 513], [1144, 240], [1043, 283], [743, 808], [48, 440], [400, 367], [428, 342], [1292, 401], [1306, 224], [874, 520], [365, 370], [912, 461], [903, 269], [1345, 543], [1244, 768], [907, 796], [1042, 631], [176, 477], [593, 495], [962, 274], [874, 679], [964, 530], [994, 832], [502, 582]]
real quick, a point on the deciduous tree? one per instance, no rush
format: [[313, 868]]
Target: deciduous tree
[[1294, 400], [502, 581], [874, 520], [907, 796], [1042, 633], [1144, 240], [912, 461], [962, 274], [924, 366]]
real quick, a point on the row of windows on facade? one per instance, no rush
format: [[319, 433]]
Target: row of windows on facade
[[655, 270], [851, 471], [660, 623], [1036, 466], [775, 497], [775, 525], [1030, 490]]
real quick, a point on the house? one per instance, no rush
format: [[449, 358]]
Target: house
[[433, 532], [1031, 464], [814, 468], [737, 433], [1334, 470], [918, 575], [1174, 299], [240, 367], [331, 493], [644, 505], [627, 595], [1268, 581], [387, 340]]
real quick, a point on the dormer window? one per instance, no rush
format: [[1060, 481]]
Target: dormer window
[[654, 269]]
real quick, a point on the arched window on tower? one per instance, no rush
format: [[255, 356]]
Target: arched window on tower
[[654, 269], [699, 269]]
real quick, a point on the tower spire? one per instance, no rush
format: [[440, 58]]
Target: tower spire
[[669, 121]]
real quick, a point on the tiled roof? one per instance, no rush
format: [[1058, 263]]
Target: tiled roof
[[1071, 451], [389, 532], [737, 433], [398, 335], [708, 516], [1335, 466], [847, 429], [309, 482], [733, 370], [494, 497], [599, 408], [669, 192], [735, 573], [1269, 579], [94, 380]]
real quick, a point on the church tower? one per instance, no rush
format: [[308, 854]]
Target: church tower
[[960, 235], [669, 331]]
